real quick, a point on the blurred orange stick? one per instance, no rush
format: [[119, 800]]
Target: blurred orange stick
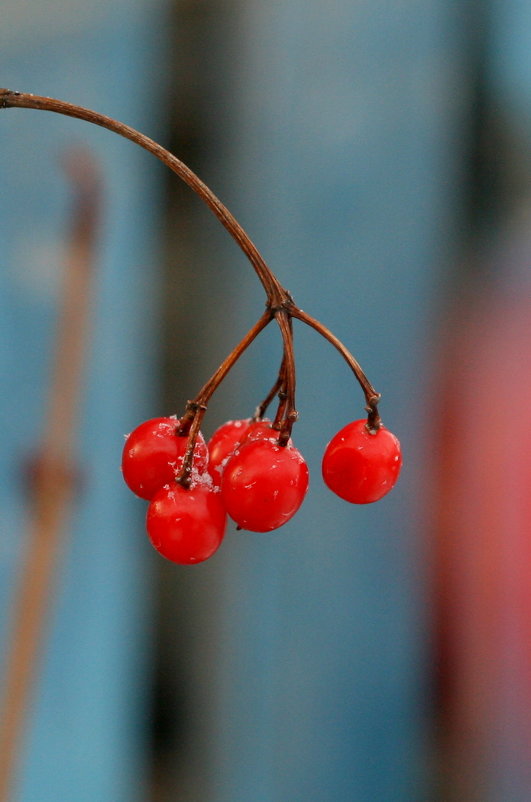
[[53, 475]]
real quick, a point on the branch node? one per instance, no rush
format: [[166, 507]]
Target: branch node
[[195, 406]]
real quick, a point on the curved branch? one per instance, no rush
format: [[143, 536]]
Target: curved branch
[[279, 302], [276, 294]]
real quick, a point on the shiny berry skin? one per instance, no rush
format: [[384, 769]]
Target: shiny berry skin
[[223, 442], [186, 525], [361, 467], [264, 484], [228, 436], [153, 454]]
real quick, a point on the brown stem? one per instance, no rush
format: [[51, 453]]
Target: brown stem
[[280, 416], [196, 409], [276, 294], [213, 383], [276, 388], [287, 413], [184, 476], [282, 395], [372, 397]]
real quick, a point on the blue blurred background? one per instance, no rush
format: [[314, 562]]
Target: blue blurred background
[[378, 154]]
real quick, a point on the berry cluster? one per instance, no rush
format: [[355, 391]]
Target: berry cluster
[[245, 472], [250, 469]]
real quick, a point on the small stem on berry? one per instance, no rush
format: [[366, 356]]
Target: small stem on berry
[[282, 394], [374, 420], [372, 397], [280, 416], [195, 410], [192, 409], [287, 413], [184, 476], [277, 388]]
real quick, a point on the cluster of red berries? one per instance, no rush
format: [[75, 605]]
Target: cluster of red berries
[[250, 470], [244, 472]]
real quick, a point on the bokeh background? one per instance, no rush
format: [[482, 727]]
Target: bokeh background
[[378, 154]]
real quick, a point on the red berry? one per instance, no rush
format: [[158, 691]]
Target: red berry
[[153, 454], [227, 437], [187, 525], [260, 430], [361, 467], [264, 484], [222, 444]]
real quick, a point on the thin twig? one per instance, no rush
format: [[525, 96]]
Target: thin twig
[[287, 413], [372, 397], [196, 409], [277, 388]]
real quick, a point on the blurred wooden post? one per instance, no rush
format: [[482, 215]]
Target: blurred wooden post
[[53, 476]]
